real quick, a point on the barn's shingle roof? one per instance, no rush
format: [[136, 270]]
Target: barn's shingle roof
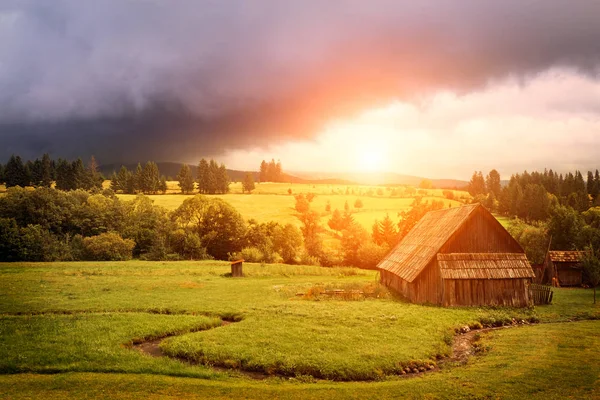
[[484, 266], [566, 256], [422, 243]]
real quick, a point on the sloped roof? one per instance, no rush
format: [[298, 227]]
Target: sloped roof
[[566, 256], [422, 243], [484, 266]]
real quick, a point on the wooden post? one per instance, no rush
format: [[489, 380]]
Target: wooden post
[[236, 269]]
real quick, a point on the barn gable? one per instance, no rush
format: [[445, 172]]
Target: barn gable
[[459, 256], [452, 230]]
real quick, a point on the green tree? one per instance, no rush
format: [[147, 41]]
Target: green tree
[[108, 247], [47, 171], [138, 179], [15, 173], [220, 227], [123, 181], [492, 183], [591, 269], [476, 184], [263, 172], [352, 238], [79, 175], [336, 222], [565, 226], [222, 180], [358, 204], [203, 176], [186, 180], [287, 241], [64, 175], [248, 183], [150, 178], [385, 232]]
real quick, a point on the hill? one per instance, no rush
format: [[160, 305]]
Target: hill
[[171, 169]]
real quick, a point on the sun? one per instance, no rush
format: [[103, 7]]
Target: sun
[[371, 160]]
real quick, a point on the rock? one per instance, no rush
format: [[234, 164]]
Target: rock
[[465, 329]]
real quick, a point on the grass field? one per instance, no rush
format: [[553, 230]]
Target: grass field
[[66, 331], [271, 201]]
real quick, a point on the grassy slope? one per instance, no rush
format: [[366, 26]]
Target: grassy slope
[[356, 338], [550, 365]]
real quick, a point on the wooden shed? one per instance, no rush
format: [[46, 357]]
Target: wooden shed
[[565, 266], [459, 256]]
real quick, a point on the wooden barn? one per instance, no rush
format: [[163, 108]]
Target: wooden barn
[[565, 267], [459, 256]]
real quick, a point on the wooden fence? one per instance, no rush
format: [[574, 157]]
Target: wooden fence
[[541, 294]]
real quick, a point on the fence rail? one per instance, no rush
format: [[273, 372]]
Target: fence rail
[[541, 294]]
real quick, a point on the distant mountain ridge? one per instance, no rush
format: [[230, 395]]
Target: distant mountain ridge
[[171, 169]]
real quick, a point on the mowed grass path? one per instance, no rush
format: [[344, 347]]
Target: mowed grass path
[[74, 318]]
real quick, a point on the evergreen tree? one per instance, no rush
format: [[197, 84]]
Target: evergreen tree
[[15, 173], [385, 232], [150, 178], [492, 183], [336, 222], [123, 181], [47, 171], [35, 169], [186, 180], [212, 179], [162, 186], [79, 175], [476, 184], [94, 178], [263, 173], [596, 187], [138, 178], [248, 183], [1, 174], [203, 169], [223, 180], [64, 175], [278, 172]]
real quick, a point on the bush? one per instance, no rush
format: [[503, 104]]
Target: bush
[[252, 254], [369, 254], [108, 247]]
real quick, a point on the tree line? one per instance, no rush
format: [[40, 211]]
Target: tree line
[[270, 171], [67, 175], [211, 178], [46, 224], [530, 196]]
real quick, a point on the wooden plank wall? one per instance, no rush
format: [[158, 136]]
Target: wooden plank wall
[[498, 292], [480, 234], [568, 276]]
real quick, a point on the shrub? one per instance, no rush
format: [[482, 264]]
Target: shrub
[[369, 254], [108, 246], [252, 254]]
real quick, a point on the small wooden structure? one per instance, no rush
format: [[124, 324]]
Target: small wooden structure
[[236, 269], [564, 267], [459, 256]]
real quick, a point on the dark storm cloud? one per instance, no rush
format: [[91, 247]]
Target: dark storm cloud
[[169, 80]]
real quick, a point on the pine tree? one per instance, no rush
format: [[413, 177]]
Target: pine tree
[[336, 222], [203, 176], [47, 171], [162, 186], [79, 175], [1, 173], [476, 184], [150, 178], [93, 176], [212, 177], [64, 175], [492, 183], [186, 180], [262, 175], [223, 180], [138, 179], [123, 181], [278, 172], [387, 232], [15, 173], [248, 183], [36, 172]]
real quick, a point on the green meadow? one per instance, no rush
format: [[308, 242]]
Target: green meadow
[[68, 330], [272, 202]]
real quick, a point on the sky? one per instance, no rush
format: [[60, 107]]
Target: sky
[[434, 89]]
